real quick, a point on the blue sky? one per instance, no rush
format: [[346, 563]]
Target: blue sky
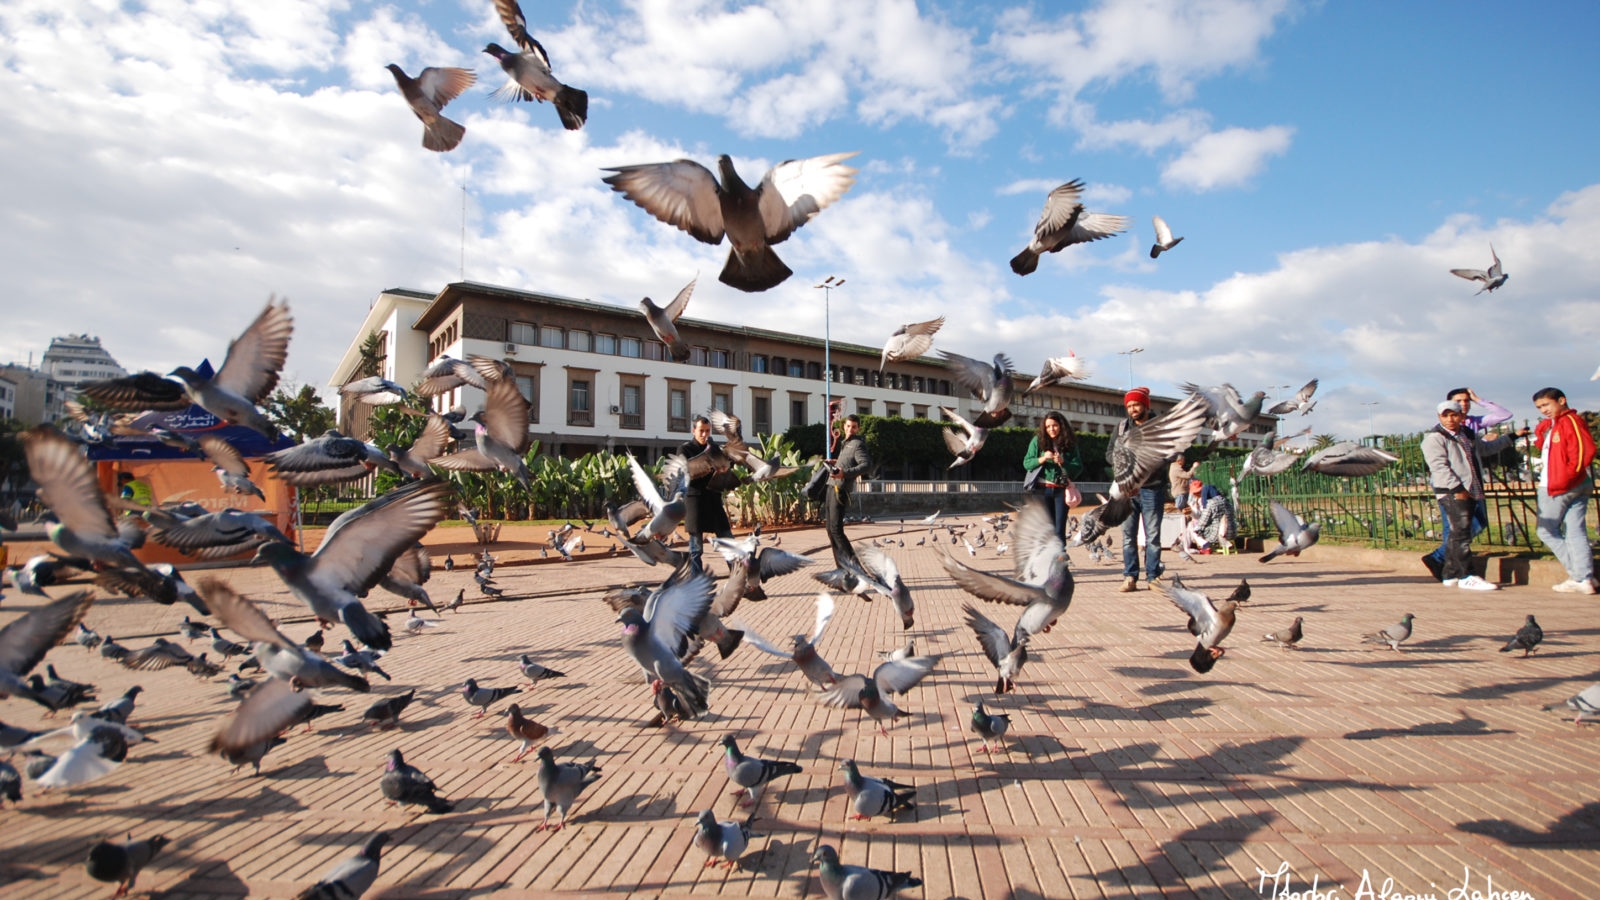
[[1328, 163]]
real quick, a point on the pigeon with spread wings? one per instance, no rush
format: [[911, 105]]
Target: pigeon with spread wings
[[531, 77], [1064, 222], [427, 95], [664, 321], [502, 434], [910, 341], [1208, 622], [1136, 455]]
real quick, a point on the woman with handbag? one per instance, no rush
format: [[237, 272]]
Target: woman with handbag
[[703, 509], [1052, 462]]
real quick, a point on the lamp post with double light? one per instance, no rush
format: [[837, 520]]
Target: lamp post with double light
[[827, 286], [1129, 354]]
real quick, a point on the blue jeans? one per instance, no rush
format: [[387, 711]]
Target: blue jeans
[[1479, 514], [1564, 528], [1056, 499], [1147, 504]]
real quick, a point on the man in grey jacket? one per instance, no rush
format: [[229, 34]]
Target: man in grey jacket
[[850, 461], [1454, 454]]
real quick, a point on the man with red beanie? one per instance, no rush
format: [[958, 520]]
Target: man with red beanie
[[1565, 486], [1148, 503]]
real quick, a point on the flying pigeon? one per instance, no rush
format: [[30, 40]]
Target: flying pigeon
[[229, 466], [1393, 635], [686, 195], [501, 430], [1064, 222], [653, 639], [69, 486], [1293, 534], [430, 444], [877, 570], [804, 655], [1164, 239], [910, 341], [750, 773], [531, 78], [871, 695], [447, 373], [1059, 370], [1136, 456], [1490, 280], [875, 796], [663, 321], [842, 882], [332, 458], [1300, 401], [989, 726], [278, 655], [427, 95], [361, 660], [992, 383], [1526, 638], [351, 878], [1007, 653], [24, 641], [1269, 460], [1231, 412], [247, 377], [1349, 459], [964, 439], [761, 470], [1290, 636], [121, 863], [724, 841], [1209, 623], [560, 784], [405, 784]]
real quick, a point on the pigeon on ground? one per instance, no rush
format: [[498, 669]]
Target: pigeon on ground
[[722, 841], [750, 773], [1209, 623], [561, 783], [669, 707], [686, 195], [501, 432], [361, 660], [1136, 456], [24, 641], [110, 649], [455, 605], [910, 341], [121, 863], [360, 546], [276, 653], [10, 784], [483, 698], [663, 321], [1043, 581], [875, 796], [1348, 459], [225, 647], [1231, 413], [989, 726], [1164, 239], [871, 695], [239, 688], [1300, 401], [804, 655], [1294, 535], [1007, 653], [653, 640], [1058, 370], [531, 77], [1064, 222], [88, 638], [385, 714], [202, 668], [248, 375], [351, 878], [1393, 635], [1526, 638], [69, 486], [120, 709], [842, 882], [405, 784], [535, 672], [190, 630], [525, 730], [1586, 701], [1290, 636], [1491, 280], [427, 95]]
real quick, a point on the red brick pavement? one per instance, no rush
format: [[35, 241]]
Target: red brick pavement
[[1128, 775]]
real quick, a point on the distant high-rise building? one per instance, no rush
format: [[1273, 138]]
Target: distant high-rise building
[[72, 362]]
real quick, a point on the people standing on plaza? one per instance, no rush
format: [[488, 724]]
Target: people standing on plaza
[[1454, 454], [1178, 477], [1148, 502], [847, 462], [1210, 516], [1493, 414], [1566, 483], [1052, 463], [703, 508]]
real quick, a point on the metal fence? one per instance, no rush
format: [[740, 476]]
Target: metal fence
[[1394, 509]]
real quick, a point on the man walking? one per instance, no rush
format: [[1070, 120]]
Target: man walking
[[1565, 486], [1455, 469], [850, 461], [1493, 414], [1148, 503]]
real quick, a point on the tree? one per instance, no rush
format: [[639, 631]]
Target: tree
[[1322, 442], [373, 353], [300, 414]]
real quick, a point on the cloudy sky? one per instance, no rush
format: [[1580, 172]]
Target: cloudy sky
[[169, 164]]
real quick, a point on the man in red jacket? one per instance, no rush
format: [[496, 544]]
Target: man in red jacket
[[1565, 485]]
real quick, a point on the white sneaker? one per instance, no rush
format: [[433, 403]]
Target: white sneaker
[[1450, 582], [1567, 587], [1474, 583]]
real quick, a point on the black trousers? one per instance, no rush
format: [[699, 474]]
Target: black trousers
[[1459, 514], [833, 508]]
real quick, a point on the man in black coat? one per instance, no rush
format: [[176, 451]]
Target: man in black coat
[[850, 461], [703, 509]]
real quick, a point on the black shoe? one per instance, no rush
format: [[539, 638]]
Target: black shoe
[[1435, 567]]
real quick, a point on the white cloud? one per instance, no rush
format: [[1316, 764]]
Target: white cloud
[[1227, 158], [1039, 186]]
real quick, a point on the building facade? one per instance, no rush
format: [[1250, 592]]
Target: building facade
[[8, 398], [38, 398], [596, 378]]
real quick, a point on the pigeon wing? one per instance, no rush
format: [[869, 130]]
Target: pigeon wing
[[505, 414], [266, 711], [1471, 274], [845, 693], [825, 607], [683, 194], [25, 641], [645, 486], [1288, 523], [1033, 541], [977, 377], [989, 587], [67, 482], [795, 190], [136, 393], [224, 455], [996, 645], [678, 607], [1163, 233], [896, 676], [772, 562], [240, 615], [1060, 207], [918, 338], [443, 84], [681, 302], [1094, 226], [1145, 448], [362, 545], [256, 357], [431, 443]]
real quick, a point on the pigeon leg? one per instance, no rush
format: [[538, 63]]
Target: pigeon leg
[[729, 864], [859, 817], [709, 863]]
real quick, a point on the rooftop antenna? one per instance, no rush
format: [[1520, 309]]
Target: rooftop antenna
[[463, 231]]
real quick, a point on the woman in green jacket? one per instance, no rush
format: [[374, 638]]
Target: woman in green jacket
[[1054, 454]]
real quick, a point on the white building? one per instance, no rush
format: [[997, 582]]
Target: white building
[[597, 378], [8, 398]]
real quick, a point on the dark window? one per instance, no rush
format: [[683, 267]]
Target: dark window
[[605, 343], [632, 347], [919, 412], [719, 359], [632, 407], [797, 368], [944, 388], [678, 409], [797, 413], [758, 364], [697, 356], [655, 350], [864, 408], [722, 401], [814, 371], [916, 384], [762, 415], [579, 412]]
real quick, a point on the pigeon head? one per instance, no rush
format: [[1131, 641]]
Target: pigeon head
[[374, 845], [731, 182], [186, 374], [632, 620], [825, 855], [546, 755], [848, 767], [470, 688], [107, 862], [496, 51], [707, 821], [395, 761], [276, 554], [729, 744]]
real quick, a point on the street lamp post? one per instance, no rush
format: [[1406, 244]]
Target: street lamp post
[[1129, 354], [827, 286]]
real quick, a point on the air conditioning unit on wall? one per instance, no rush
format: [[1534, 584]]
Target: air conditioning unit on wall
[[511, 349], [615, 410]]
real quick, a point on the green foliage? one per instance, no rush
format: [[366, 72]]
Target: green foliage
[[781, 500], [300, 414], [372, 354]]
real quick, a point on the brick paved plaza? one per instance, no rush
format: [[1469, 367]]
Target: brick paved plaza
[[1129, 776]]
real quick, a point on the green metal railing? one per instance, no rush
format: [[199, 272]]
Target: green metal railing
[[1393, 509]]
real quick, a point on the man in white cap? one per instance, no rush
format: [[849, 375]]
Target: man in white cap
[[1455, 469]]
